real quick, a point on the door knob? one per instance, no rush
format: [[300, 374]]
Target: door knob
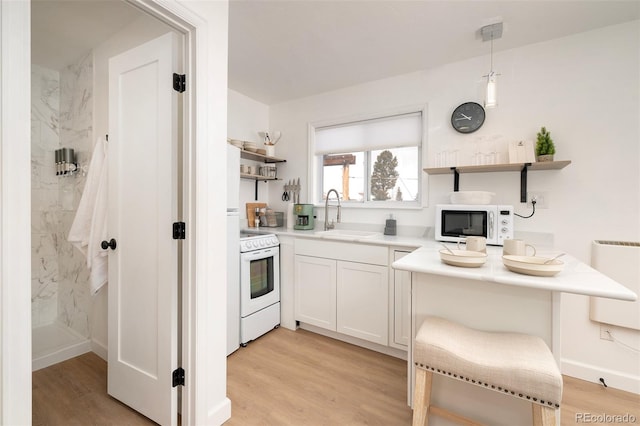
[[110, 244]]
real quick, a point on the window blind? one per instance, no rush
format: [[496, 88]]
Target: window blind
[[388, 132]]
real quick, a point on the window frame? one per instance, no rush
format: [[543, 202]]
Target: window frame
[[315, 168]]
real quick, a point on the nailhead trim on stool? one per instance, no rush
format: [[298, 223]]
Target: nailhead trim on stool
[[487, 385]]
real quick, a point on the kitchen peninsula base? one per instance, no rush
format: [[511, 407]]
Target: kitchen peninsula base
[[491, 298], [486, 306]]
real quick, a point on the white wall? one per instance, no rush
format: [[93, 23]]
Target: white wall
[[247, 117], [585, 90]]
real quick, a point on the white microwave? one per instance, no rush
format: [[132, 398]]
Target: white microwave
[[456, 222]]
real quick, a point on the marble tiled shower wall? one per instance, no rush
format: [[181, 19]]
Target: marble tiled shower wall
[[45, 207], [61, 117]]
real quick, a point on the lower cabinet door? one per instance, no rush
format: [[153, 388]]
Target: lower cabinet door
[[363, 301], [315, 291]]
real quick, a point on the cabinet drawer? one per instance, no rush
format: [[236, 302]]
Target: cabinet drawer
[[351, 252]]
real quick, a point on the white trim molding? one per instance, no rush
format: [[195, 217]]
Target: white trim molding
[[15, 216], [203, 356]]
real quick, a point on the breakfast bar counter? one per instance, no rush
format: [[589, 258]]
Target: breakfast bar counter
[[492, 298], [576, 277]]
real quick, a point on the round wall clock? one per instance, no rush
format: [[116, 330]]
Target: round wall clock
[[468, 117]]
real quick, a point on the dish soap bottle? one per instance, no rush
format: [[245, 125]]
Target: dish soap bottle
[[390, 226]]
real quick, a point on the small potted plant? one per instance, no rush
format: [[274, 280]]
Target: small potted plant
[[544, 146]]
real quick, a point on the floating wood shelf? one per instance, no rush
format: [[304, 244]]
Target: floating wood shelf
[[511, 167], [256, 177], [254, 156], [248, 155]]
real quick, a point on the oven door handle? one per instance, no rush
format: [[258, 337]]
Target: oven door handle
[[260, 254]]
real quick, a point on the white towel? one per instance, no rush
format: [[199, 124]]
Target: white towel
[[89, 226]]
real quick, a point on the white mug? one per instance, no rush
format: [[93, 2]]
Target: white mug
[[477, 244], [516, 248]]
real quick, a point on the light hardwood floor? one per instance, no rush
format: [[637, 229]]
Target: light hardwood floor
[[74, 392], [288, 378]]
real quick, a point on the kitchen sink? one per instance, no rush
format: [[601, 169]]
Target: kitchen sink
[[347, 233]]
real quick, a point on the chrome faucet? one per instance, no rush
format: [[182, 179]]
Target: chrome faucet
[[331, 225]]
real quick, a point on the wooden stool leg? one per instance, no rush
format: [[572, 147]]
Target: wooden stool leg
[[542, 416], [422, 397]]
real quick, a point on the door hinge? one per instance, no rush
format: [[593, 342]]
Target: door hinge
[[178, 377], [179, 230], [179, 82]]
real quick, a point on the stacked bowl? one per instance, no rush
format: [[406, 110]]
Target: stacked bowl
[[236, 143], [250, 146]]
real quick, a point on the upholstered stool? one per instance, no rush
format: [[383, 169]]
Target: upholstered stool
[[518, 365]]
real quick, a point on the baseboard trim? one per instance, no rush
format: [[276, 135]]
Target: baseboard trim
[[99, 349], [591, 373], [60, 355], [387, 350]]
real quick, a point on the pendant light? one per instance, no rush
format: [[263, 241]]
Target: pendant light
[[490, 33]]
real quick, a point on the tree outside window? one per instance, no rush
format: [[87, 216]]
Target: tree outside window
[[384, 176]]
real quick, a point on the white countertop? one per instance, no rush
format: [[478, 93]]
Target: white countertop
[[378, 239], [576, 277]]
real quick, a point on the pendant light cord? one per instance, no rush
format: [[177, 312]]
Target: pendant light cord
[[491, 56]]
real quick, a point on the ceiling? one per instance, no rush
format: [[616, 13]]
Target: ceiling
[[281, 50], [62, 31]]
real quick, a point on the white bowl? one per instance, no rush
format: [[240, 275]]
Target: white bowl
[[464, 258], [532, 265], [472, 197]]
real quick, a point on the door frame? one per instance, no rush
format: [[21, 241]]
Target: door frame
[[205, 29], [15, 213]]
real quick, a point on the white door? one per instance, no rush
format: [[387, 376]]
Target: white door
[[143, 200]]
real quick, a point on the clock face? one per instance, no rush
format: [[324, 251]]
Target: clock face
[[468, 117]]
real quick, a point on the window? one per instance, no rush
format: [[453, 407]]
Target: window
[[370, 162]]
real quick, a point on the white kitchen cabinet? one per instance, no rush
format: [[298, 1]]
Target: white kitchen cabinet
[[315, 291], [363, 301], [343, 287], [401, 304]]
